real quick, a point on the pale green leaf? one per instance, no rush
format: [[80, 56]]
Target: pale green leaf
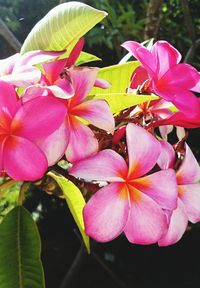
[[20, 248], [86, 58], [62, 27], [119, 77], [75, 202]]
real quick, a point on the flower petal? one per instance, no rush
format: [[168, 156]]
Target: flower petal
[[23, 76], [54, 69], [167, 56], [75, 53], [7, 64], [101, 83], [154, 186], [132, 47], [177, 226], [179, 77], [189, 171], [36, 57], [38, 118], [8, 99], [55, 145], [138, 77], [97, 112], [167, 157], [190, 195], [83, 79], [147, 221], [143, 150], [106, 165], [82, 142], [23, 160], [106, 213]]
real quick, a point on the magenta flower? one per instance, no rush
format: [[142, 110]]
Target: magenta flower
[[132, 202], [162, 74], [82, 142], [188, 209], [55, 77], [21, 127]]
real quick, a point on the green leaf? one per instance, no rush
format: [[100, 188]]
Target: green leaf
[[20, 248], [116, 96], [62, 27], [75, 202], [86, 57]]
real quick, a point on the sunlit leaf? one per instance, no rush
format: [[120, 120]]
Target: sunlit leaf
[[119, 77], [75, 202], [20, 250], [62, 27], [86, 58]]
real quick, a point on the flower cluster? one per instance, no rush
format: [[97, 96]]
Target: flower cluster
[[150, 188]]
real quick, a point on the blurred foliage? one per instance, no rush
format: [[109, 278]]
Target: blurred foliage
[[9, 193]]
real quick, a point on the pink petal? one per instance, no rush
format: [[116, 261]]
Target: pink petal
[[23, 160], [143, 150], [148, 61], [167, 56], [106, 213], [97, 112], [167, 157], [179, 77], [7, 65], [38, 118], [101, 83], [177, 226], [8, 99], [54, 69], [106, 165], [83, 79], [2, 140], [154, 185], [23, 76], [132, 47], [36, 57], [138, 77], [75, 53], [82, 142], [65, 87], [55, 145], [147, 222], [189, 171], [190, 195]]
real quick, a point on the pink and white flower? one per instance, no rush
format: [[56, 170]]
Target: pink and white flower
[[132, 202], [188, 209]]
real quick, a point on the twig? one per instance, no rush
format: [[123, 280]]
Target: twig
[[115, 278], [73, 270]]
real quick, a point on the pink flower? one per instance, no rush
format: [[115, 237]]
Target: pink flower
[[55, 76], [162, 74], [21, 127], [188, 209], [82, 142], [132, 202]]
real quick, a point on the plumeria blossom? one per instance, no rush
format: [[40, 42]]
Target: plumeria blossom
[[21, 127], [162, 74], [132, 202], [55, 77], [82, 141], [188, 209]]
